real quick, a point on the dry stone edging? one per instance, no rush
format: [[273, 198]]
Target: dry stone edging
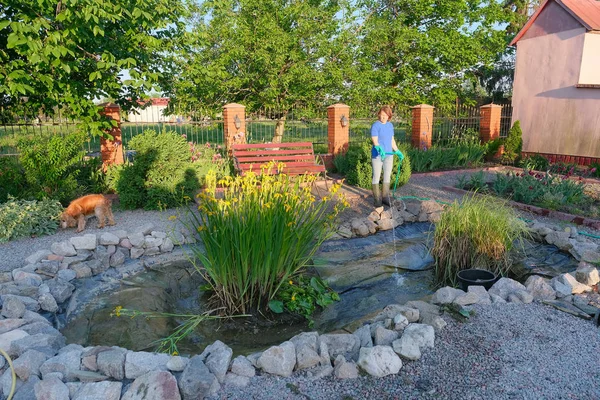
[[398, 332]]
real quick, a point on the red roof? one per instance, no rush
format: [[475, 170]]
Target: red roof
[[587, 12], [155, 101]]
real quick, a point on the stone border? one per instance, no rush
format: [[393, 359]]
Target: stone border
[[576, 219], [112, 373]]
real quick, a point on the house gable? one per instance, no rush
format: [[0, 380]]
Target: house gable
[[553, 18]]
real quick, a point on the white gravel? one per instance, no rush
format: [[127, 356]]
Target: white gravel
[[13, 253], [505, 351]]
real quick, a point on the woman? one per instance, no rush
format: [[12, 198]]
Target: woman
[[382, 155]]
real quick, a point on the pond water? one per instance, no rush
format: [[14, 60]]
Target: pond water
[[368, 273]]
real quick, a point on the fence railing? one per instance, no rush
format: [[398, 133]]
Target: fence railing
[[447, 126], [453, 126], [360, 128], [298, 126]]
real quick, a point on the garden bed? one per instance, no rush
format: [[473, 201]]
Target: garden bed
[[563, 216]]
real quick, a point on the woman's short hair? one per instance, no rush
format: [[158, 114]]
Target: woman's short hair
[[387, 110]]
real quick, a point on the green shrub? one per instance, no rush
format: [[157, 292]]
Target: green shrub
[[535, 162], [302, 296], [356, 165], [91, 178], [465, 154], [20, 218], [12, 178], [477, 233], [262, 233], [162, 174], [513, 144], [491, 148], [51, 164]]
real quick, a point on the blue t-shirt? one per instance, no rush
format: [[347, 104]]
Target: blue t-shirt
[[385, 134]]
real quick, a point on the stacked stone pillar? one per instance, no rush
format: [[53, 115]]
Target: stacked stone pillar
[[111, 147], [489, 125], [232, 134], [422, 126]]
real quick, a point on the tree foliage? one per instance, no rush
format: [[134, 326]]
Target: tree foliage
[[423, 50], [67, 53], [262, 53]]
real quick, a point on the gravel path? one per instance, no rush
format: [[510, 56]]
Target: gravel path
[[506, 351], [13, 253]]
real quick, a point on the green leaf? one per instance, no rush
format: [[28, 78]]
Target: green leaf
[[4, 24], [276, 306]]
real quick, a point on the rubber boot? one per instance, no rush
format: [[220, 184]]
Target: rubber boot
[[376, 196], [387, 200]]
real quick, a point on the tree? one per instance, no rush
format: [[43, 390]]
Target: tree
[[65, 54], [415, 51], [279, 54]]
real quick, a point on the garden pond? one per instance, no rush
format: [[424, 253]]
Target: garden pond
[[368, 273]]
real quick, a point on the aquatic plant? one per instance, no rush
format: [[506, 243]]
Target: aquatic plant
[[260, 234], [479, 232]]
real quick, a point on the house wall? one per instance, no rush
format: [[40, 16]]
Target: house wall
[[590, 62], [149, 114], [556, 116]]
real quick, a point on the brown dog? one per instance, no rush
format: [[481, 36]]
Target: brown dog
[[84, 206]]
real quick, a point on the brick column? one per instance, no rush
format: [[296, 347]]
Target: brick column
[[338, 135], [111, 147], [231, 134], [422, 126], [489, 127]]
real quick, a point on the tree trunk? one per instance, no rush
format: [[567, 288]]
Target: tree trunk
[[279, 128]]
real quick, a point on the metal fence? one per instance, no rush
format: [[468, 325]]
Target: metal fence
[[456, 125], [299, 125], [197, 127], [505, 120], [361, 122]]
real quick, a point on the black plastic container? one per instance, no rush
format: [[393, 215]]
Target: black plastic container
[[476, 277]]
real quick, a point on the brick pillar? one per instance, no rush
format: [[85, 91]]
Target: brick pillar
[[422, 126], [489, 127], [231, 134], [111, 147], [338, 135]]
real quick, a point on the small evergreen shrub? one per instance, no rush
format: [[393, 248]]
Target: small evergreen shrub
[[513, 144], [19, 218], [51, 165], [162, 174]]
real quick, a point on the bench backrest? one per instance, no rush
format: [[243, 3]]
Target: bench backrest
[[298, 158]]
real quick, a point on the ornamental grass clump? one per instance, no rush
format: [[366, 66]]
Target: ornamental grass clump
[[477, 233], [261, 233]]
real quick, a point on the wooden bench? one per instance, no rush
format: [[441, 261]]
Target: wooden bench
[[297, 158]]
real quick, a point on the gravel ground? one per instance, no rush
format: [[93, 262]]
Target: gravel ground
[[13, 253], [506, 351]]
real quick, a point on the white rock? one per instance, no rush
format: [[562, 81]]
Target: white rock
[[400, 322], [504, 286], [384, 337], [217, 357], [344, 369], [138, 363], [243, 367], [483, 297], [467, 299], [587, 274], [239, 381], [278, 360], [497, 299], [422, 334], [572, 283], [540, 288], [108, 238], [446, 295], [167, 246], [37, 256], [379, 361], [63, 249], [136, 252], [137, 239], [85, 242], [407, 348], [158, 234], [177, 363], [146, 229], [7, 338]]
